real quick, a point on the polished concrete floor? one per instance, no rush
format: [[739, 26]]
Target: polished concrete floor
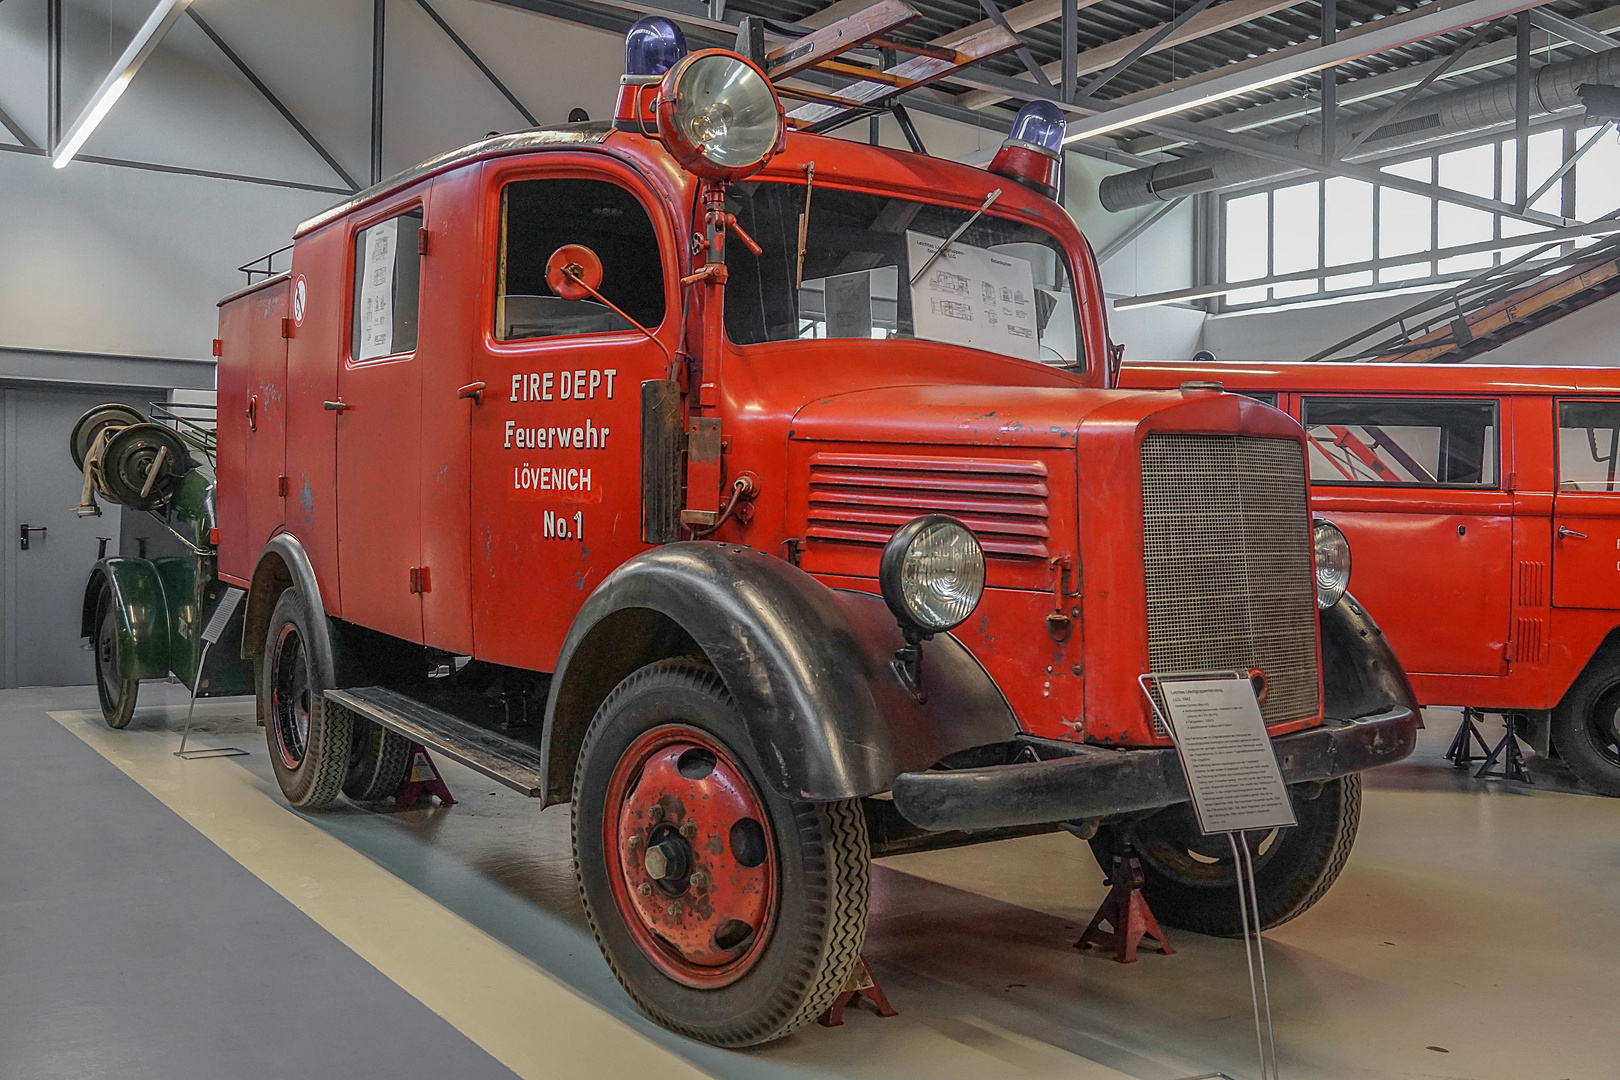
[[174, 919]]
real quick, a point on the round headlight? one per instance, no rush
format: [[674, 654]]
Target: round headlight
[[719, 115], [932, 573], [1332, 564]]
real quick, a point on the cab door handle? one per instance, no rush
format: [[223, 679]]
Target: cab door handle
[[336, 406], [1566, 533], [473, 390]]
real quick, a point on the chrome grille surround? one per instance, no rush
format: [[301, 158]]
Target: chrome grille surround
[[1230, 564]]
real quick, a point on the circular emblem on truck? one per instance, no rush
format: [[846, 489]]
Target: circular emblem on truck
[[300, 295]]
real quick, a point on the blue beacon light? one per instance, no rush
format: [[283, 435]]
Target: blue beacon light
[[652, 47], [1033, 153]]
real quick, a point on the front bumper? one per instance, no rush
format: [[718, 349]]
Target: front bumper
[[1089, 782]]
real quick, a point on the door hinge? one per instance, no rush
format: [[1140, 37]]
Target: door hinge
[[286, 328], [281, 486], [421, 579], [219, 347], [421, 241]]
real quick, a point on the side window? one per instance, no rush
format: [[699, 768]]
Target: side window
[[1402, 441], [1264, 397], [540, 216], [387, 280], [1588, 441]]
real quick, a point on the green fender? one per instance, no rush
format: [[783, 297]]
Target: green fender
[[144, 650]]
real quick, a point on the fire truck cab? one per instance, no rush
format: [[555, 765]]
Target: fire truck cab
[[764, 495]]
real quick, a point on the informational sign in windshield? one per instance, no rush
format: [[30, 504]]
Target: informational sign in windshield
[[973, 296]]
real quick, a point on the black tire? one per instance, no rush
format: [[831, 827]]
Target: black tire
[[1293, 868], [309, 740], [378, 760], [117, 693], [1585, 723], [800, 961]]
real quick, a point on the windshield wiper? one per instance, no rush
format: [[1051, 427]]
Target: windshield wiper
[[960, 229], [804, 223]]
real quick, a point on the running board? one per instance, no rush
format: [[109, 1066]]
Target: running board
[[515, 764]]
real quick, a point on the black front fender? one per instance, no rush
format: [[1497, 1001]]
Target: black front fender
[[808, 666], [1360, 672]]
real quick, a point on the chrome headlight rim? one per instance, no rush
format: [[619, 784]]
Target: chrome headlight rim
[[1330, 557], [676, 120], [919, 538]]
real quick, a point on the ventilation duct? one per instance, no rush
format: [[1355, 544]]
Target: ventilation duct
[[1553, 88]]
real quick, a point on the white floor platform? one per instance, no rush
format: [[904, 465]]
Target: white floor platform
[[1475, 933]]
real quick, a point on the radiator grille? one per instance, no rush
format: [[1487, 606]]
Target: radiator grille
[[863, 498], [1230, 575]]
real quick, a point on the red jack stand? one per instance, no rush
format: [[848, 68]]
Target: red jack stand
[[1127, 914], [860, 985], [421, 782]]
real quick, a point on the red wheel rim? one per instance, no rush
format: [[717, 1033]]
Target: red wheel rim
[[691, 861]]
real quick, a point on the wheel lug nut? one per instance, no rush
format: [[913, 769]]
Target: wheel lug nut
[[645, 888], [655, 812], [688, 830], [674, 910], [699, 881], [634, 841]]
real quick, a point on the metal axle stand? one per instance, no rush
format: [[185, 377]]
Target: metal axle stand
[[861, 984], [421, 783], [1461, 754], [1512, 759], [1127, 914]]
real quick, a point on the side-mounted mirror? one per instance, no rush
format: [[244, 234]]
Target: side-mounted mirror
[[574, 272]]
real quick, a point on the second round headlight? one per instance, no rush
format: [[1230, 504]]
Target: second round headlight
[[722, 115], [1332, 563], [932, 573]]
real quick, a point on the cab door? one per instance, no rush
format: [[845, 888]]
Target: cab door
[[1416, 485], [555, 445], [379, 416], [1586, 506]]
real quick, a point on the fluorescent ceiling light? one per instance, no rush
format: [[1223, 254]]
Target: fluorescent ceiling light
[[143, 45]]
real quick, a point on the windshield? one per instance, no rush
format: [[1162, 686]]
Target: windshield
[[871, 266]]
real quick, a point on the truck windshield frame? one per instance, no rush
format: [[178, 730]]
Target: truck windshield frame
[[857, 247]]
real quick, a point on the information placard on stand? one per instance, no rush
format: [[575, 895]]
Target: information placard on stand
[[1237, 787]]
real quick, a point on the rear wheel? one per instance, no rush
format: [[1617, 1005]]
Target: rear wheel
[[117, 693], [1586, 725], [378, 760], [1190, 880], [728, 913], [309, 740]]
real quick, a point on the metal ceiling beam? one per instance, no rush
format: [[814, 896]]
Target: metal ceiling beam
[[1022, 52], [1227, 15], [178, 170], [1146, 222], [270, 96], [379, 52], [16, 130], [1572, 31], [1394, 82], [1147, 46], [1435, 19], [136, 53], [467, 50]]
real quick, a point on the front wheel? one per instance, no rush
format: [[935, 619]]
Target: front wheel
[[117, 693], [1190, 880], [309, 739], [728, 913], [1586, 726]]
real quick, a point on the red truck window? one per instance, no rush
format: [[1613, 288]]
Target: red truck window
[[867, 269], [1588, 445], [1409, 442], [540, 216], [387, 280]]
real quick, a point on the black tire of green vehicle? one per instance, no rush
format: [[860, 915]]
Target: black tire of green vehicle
[[378, 761], [1297, 871], [317, 779], [1583, 724], [824, 871], [117, 694]]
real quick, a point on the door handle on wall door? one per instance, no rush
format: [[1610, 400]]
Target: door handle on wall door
[[336, 406], [473, 390], [1565, 532]]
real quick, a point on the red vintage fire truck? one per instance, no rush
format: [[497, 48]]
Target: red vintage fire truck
[[1481, 505], [763, 495]]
